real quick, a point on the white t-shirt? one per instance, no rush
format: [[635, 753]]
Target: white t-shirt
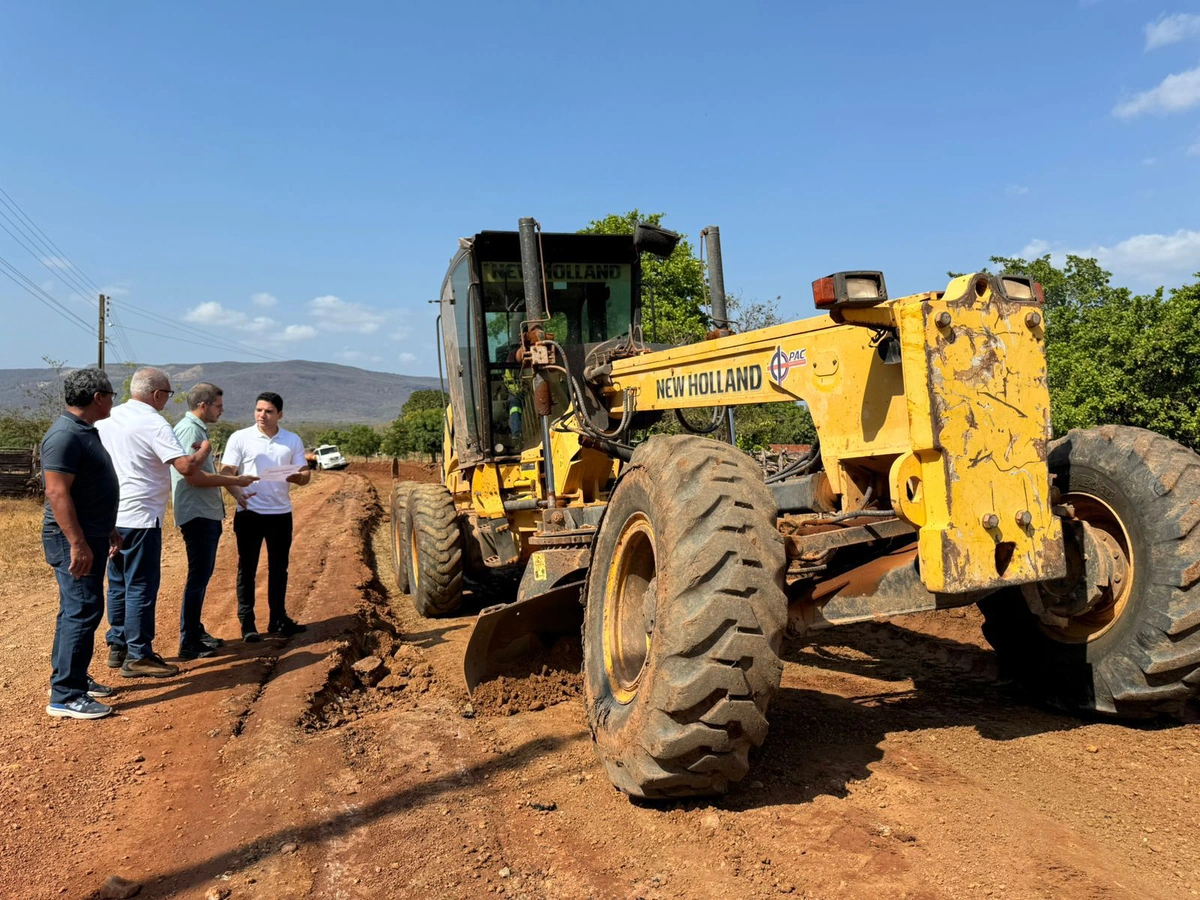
[[141, 445], [243, 450]]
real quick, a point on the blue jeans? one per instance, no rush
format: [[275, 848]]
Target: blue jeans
[[80, 609], [133, 578], [200, 537]]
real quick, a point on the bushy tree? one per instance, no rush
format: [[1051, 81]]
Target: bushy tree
[[674, 293], [675, 310], [26, 427], [420, 426], [1115, 357]]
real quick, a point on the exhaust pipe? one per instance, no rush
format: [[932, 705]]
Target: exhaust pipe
[[716, 276], [531, 269], [716, 292], [535, 313]]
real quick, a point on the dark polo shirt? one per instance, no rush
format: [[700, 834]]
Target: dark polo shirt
[[73, 447]]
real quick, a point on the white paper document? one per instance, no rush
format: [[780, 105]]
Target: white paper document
[[269, 470]]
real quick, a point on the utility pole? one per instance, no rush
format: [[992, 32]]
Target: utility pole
[[100, 333]]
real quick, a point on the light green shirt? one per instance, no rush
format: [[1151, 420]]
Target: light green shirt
[[192, 501]]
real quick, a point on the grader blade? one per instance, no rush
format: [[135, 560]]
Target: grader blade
[[546, 609]]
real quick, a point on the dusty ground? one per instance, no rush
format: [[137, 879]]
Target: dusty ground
[[896, 766]]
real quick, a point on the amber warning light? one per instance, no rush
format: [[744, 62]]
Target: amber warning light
[[849, 289]]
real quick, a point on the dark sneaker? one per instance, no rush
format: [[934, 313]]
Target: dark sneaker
[[210, 641], [116, 656], [287, 628], [196, 651], [153, 666], [79, 708], [251, 637], [95, 690]]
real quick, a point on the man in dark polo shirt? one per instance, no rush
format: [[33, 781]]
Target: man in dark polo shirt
[[79, 534]]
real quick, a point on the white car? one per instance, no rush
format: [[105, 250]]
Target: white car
[[330, 457]]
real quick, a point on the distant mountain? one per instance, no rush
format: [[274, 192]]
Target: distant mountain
[[311, 391]]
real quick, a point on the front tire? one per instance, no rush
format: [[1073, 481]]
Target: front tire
[[685, 615], [435, 551], [1137, 653], [400, 530]]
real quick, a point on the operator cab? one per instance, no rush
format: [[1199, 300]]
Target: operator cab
[[592, 285]]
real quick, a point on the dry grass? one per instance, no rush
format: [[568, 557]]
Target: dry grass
[[21, 539]]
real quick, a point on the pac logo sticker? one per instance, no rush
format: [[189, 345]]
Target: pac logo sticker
[[784, 361]]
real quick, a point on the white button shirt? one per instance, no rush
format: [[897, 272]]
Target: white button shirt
[[243, 450], [141, 445]]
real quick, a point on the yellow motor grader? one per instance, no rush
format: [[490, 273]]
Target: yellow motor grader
[[935, 484]]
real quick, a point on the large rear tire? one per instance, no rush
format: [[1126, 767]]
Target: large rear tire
[[1135, 654], [685, 615], [435, 551], [400, 531]]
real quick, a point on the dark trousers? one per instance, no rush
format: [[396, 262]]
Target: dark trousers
[[251, 529], [80, 609], [200, 537], [133, 578]]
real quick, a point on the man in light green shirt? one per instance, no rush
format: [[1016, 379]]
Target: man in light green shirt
[[199, 510]]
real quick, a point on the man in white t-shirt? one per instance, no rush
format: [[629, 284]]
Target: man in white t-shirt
[[143, 449], [268, 514]]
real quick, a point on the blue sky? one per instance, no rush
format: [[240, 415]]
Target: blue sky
[[293, 176]]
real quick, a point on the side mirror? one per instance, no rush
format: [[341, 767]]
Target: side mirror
[[652, 239]]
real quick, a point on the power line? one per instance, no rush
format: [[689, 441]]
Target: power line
[[172, 337], [41, 296], [80, 283], [12, 205], [71, 284], [122, 337], [222, 343]]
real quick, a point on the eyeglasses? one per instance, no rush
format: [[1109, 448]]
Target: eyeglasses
[[107, 393], [169, 393]]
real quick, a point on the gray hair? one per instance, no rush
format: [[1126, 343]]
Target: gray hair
[[146, 381], [203, 393], [81, 386]]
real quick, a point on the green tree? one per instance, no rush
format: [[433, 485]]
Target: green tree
[[424, 398], [674, 293], [360, 440], [674, 310], [420, 426], [26, 427], [331, 436], [1115, 357], [218, 435]]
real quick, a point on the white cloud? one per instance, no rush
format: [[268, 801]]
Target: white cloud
[[1144, 260], [1035, 249], [214, 314], [1016, 190], [263, 300], [350, 355], [297, 333], [1177, 93], [1194, 150], [1150, 161], [1172, 30], [55, 262], [335, 314], [408, 358]]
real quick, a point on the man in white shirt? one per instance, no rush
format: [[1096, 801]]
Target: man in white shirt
[[268, 514], [143, 449]]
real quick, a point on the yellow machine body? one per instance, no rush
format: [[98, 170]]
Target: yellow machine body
[[956, 429]]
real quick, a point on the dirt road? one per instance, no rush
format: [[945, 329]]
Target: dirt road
[[347, 763]]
